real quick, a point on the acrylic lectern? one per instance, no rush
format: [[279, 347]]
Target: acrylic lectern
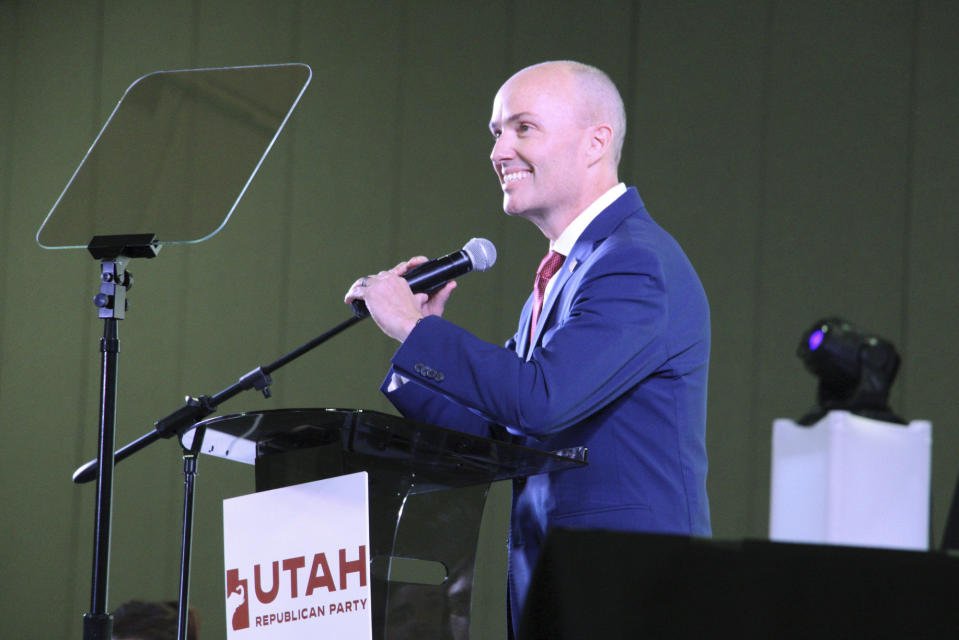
[[427, 495]]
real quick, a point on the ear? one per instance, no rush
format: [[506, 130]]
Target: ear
[[599, 141]]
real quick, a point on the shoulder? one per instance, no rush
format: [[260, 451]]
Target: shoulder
[[635, 243]]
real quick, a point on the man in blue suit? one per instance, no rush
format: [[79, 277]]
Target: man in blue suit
[[615, 359]]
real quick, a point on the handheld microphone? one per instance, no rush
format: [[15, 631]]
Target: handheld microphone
[[478, 254]]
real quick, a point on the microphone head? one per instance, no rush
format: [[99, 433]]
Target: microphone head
[[481, 252]]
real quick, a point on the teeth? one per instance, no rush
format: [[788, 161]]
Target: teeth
[[513, 177]]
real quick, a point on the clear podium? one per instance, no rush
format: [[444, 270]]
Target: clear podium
[[428, 493]]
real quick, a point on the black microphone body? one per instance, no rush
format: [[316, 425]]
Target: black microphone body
[[478, 254], [432, 275]]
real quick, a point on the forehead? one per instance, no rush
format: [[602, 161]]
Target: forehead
[[538, 93]]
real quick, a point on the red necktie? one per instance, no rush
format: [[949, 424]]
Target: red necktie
[[551, 263]]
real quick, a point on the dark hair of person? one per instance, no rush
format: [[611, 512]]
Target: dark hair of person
[[139, 620]]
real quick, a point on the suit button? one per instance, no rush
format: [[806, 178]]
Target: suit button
[[429, 372]]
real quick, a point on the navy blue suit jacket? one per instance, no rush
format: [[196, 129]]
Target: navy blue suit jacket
[[618, 363]]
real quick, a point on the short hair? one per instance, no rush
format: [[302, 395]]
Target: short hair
[[601, 99]]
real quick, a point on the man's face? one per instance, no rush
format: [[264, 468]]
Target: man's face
[[540, 138]]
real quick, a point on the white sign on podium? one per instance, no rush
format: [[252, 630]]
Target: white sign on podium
[[297, 562]]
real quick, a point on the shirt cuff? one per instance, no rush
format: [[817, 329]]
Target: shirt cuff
[[396, 381]]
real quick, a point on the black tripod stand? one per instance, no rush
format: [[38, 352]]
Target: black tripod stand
[[115, 253]]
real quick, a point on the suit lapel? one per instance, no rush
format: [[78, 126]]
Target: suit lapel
[[597, 231], [572, 261], [522, 345]]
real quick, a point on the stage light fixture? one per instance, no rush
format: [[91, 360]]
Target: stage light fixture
[[855, 370]]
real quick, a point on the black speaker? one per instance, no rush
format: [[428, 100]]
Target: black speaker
[[596, 584]]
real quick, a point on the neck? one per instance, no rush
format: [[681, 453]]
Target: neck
[[553, 222]]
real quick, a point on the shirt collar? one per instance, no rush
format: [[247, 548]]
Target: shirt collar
[[564, 243]]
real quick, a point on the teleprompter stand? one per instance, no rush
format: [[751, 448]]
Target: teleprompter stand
[[178, 151], [115, 253]]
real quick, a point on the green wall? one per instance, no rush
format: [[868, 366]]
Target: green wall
[[804, 153]]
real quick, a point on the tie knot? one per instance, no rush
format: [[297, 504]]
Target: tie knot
[[551, 263]]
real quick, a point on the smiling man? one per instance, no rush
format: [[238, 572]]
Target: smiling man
[[559, 133], [612, 347]]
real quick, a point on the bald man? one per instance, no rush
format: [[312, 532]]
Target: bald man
[[612, 347]]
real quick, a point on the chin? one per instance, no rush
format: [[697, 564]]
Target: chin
[[512, 206]]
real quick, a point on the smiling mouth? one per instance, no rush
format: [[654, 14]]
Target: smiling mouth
[[515, 176]]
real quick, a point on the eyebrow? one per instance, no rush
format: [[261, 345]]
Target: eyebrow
[[514, 118]]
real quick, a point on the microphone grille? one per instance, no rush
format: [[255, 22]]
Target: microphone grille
[[481, 252]]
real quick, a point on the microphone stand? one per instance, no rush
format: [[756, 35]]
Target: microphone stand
[[196, 409], [176, 423], [190, 458]]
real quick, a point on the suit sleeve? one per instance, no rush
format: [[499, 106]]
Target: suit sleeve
[[608, 340], [420, 403]]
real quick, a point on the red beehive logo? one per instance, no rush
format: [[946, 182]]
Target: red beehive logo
[[237, 600]]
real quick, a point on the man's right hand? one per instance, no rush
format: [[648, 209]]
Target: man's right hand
[[392, 305]]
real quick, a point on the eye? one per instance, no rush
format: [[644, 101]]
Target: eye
[[524, 128], [496, 133]]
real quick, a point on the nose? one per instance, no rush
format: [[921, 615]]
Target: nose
[[502, 149]]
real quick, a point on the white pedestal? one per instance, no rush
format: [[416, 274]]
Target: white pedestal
[[852, 481]]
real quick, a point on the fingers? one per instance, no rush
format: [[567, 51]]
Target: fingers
[[406, 265], [417, 261], [440, 297], [360, 289], [355, 292], [421, 299], [436, 303]]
